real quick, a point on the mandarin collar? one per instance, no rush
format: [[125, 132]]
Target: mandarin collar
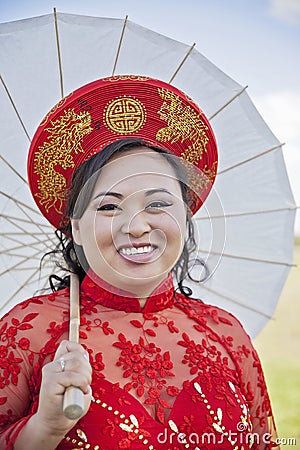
[[111, 297]]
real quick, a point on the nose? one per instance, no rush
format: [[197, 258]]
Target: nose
[[136, 224]]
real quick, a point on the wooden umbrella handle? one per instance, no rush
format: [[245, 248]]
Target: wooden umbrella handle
[[73, 403]]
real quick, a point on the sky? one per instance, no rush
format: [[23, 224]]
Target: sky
[[256, 42]]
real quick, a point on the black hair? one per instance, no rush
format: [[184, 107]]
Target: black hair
[[79, 196]]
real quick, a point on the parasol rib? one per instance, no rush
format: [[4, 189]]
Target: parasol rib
[[272, 149], [41, 246], [20, 269], [13, 169], [20, 219], [27, 258], [247, 213], [58, 54], [246, 258], [182, 62], [13, 249], [10, 238], [236, 302], [22, 205], [15, 108], [19, 203], [228, 103], [119, 46], [25, 232]]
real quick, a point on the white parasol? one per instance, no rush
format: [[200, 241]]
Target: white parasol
[[246, 227]]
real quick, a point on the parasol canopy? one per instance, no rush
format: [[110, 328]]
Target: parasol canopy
[[245, 229]]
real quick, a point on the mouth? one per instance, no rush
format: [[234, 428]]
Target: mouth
[[142, 250], [140, 254]]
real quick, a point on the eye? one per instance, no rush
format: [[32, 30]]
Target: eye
[[158, 204], [108, 207]]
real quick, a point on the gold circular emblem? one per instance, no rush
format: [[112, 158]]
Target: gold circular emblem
[[125, 115]]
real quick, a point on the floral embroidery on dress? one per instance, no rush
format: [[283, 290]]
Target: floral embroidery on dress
[[148, 369]]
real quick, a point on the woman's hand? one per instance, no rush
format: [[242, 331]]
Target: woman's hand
[[48, 426], [56, 377]]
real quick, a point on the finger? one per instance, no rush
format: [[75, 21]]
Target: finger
[[76, 380], [69, 346], [74, 360], [59, 381], [73, 364]]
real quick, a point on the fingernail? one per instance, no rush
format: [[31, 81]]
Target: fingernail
[[86, 355]]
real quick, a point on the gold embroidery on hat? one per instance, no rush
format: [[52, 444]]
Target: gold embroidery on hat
[[126, 77], [125, 115], [201, 179], [64, 138], [183, 123]]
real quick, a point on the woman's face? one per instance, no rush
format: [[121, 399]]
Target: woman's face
[[133, 230]]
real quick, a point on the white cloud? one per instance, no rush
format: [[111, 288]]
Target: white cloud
[[286, 10]]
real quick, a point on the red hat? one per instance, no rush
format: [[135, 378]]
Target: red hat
[[106, 110]]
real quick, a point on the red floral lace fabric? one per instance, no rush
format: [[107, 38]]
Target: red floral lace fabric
[[176, 374]]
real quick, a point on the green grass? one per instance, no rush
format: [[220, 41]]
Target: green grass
[[279, 348]]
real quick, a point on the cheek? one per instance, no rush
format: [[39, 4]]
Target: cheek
[[175, 229]]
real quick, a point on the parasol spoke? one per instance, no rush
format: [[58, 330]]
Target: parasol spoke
[[17, 241], [272, 149], [119, 46], [19, 233], [13, 169], [182, 62], [227, 103], [21, 219], [247, 258], [24, 231], [246, 213], [19, 203], [12, 251], [17, 255], [15, 266], [15, 108], [41, 246], [22, 206], [20, 269], [58, 54]]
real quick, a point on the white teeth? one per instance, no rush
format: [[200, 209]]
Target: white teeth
[[135, 251]]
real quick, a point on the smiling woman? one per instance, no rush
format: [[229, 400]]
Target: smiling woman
[[133, 237], [157, 368], [132, 219]]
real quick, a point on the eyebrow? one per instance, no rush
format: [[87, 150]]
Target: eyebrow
[[120, 196], [155, 191], [109, 193]]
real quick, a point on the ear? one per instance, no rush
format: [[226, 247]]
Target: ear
[[76, 231]]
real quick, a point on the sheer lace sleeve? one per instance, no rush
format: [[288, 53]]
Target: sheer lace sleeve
[[25, 342], [253, 386], [224, 328]]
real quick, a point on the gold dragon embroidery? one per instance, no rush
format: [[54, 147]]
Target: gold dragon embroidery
[[64, 139], [182, 123]]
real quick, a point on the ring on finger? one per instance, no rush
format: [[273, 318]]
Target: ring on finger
[[62, 363]]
